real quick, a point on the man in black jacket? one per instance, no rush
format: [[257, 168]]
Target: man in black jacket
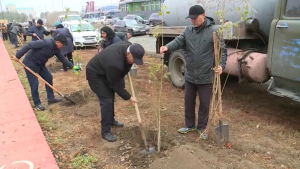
[[38, 53], [37, 31], [104, 73]]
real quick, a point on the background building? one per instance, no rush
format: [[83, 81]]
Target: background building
[[10, 7], [143, 8], [27, 11]]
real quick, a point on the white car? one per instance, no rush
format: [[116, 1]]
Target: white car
[[104, 20], [84, 34]]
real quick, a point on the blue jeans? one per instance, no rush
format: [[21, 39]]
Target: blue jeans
[[34, 84]]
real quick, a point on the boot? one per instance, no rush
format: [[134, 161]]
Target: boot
[[52, 101]]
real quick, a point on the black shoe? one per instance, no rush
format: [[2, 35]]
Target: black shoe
[[52, 101], [40, 107], [117, 124], [109, 137]]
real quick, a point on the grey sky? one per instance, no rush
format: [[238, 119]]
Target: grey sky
[[42, 5]]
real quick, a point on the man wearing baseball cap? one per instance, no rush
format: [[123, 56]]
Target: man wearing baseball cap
[[197, 41], [37, 31], [38, 53], [104, 73]]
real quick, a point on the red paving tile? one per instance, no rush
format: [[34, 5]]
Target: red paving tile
[[22, 143]]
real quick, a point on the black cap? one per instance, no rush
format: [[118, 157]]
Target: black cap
[[195, 11], [137, 51], [61, 38], [40, 22]]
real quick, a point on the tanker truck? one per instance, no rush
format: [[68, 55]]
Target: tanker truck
[[264, 46]]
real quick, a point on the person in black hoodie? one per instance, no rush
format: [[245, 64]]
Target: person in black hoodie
[[104, 73]]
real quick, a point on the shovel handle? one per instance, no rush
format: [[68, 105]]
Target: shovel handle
[[138, 113], [39, 77]]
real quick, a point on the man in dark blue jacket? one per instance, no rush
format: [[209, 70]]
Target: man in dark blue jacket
[[38, 54], [37, 31]]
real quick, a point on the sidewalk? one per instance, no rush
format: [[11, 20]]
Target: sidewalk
[[22, 143]]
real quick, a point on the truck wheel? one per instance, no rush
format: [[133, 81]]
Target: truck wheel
[[177, 68]]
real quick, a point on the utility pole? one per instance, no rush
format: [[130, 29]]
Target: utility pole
[[2, 10]]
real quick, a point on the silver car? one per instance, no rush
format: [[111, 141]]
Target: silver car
[[131, 26]]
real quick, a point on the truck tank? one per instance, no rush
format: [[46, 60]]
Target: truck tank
[[262, 10]]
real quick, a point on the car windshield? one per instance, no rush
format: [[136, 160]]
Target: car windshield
[[139, 18], [81, 27], [72, 18], [130, 22]]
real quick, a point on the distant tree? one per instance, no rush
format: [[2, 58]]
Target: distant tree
[[42, 15], [24, 17], [30, 16]]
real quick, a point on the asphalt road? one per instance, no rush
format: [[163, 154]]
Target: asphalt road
[[146, 41]]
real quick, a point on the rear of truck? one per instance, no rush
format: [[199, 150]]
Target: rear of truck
[[266, 45]]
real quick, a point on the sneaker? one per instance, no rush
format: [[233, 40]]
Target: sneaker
[[109, 137], [117, 124], [40, 107], [186, 130], [203, 135], [52, 101]]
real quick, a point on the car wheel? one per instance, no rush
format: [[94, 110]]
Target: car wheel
[[151, 24], [177, 68]]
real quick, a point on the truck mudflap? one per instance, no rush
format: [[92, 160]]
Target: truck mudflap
[[285, 88]]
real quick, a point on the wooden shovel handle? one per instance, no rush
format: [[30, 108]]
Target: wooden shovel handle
[[216, 49], [38, 76], [137, 108]]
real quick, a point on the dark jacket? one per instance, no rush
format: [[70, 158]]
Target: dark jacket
[[39, 52], [199, 45], [39, 32], [122, 35], [64, 31], [8, 28], [109, 42], [105, 71]]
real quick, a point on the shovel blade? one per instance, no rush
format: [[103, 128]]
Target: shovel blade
[[222, 133]]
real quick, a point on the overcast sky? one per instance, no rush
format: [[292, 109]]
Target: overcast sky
[[42, 5]]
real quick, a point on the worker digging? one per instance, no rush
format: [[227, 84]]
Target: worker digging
[[38, 53], [105, 72]]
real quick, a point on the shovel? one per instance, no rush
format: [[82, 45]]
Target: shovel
[[39, 77], [222, 130], [147, 150]]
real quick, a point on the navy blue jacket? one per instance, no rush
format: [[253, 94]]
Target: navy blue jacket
[[64, 31], [39, 31], [114, 40], [39, 52]]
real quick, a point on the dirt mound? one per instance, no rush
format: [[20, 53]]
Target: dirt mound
[[188, 157], [80, 97], [131, 144]]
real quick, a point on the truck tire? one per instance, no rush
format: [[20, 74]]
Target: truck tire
[[177, 68]]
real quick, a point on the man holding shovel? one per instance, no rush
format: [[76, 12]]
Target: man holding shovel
[[104, 73], [199, 45], [37, 31], [38, 54]]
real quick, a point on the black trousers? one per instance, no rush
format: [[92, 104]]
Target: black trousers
[[24, 36], [14, 39], [204, 91], [70, 58], [107, 112], [4, 36]]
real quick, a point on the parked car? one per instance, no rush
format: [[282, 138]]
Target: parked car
[[63, 18], [132, 26], [104, 20], [84, 34], [154, 19], [138, 18], [115, 20]]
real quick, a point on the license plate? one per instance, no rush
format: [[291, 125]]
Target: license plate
[[89, 41], [142, 30]]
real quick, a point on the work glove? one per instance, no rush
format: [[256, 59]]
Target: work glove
[[75, 69]]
